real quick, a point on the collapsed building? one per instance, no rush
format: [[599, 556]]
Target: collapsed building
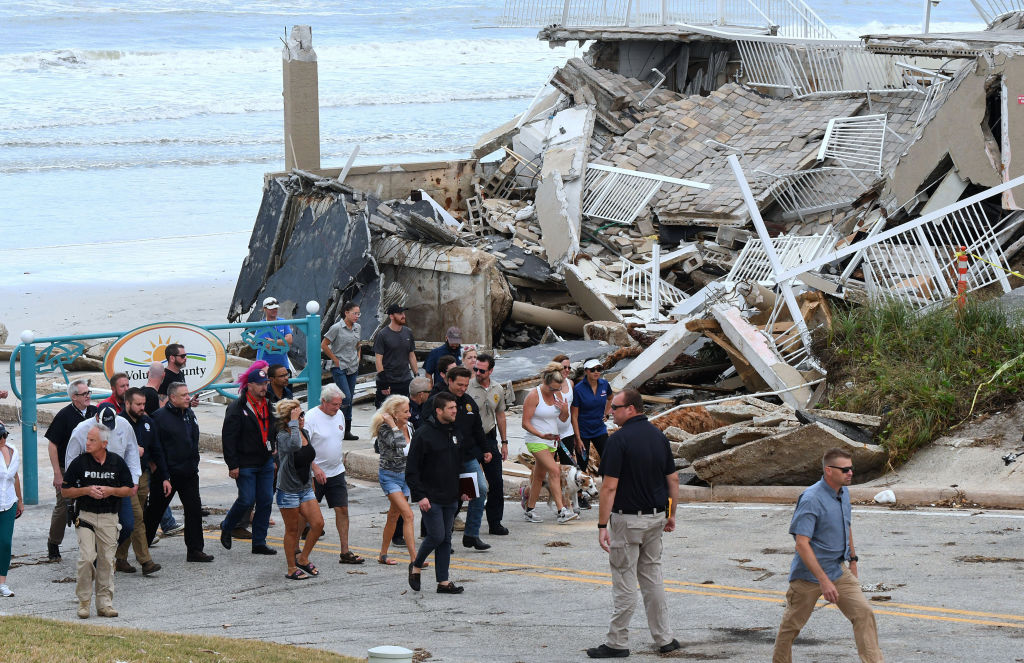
[[693, 191]]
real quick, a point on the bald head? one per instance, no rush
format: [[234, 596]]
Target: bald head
[[156, 374]]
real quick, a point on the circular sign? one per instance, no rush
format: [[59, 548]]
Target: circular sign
[[135, 351]]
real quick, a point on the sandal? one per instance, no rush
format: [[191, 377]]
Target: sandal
[[384, 559], [309, 567], [297, 574], [350, 558]]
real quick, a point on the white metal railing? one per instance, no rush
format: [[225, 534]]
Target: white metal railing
[[990, 10], [752, 264], [792, 18], [617, 194], [635, 283], [814, 66], [857, 140], [816, 190], [928, 82]]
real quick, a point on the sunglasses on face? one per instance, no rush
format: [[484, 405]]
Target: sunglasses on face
[[481, 371], [594, 370], [844, 470], [616, 407]]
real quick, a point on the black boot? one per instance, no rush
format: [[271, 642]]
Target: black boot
[[349, 435]]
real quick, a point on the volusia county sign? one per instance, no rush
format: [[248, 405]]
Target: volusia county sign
[[135, 351]]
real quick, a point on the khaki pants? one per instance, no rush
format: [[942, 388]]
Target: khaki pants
[[138, 538], [58, 521], [636, 556], [800, 601], [97, 545]]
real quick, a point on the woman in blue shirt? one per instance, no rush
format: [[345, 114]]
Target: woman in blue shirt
[[591, 404]]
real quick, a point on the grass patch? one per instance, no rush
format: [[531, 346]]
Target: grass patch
[[31, 639], [920, 371]]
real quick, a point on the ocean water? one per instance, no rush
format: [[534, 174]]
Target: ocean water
[[134, 135]]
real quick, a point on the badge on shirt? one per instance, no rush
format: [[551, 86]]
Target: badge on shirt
[[469, 408], [455, 440], [496, 399], [147, 426]]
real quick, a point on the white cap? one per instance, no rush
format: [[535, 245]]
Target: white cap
[[270, 302], [592, 363]]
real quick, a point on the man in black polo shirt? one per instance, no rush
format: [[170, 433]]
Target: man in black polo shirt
[[58, 434], [98, 481], [638, 500]]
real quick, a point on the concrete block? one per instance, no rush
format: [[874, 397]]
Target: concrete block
[[657, 356], [737, 435], [792, 458], [593, 302], [701, 444], [559, 235], [614, 333], [675, 434]]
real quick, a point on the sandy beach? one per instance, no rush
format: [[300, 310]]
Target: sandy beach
[[52, 309]]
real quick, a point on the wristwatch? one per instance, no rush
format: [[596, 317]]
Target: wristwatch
[[600, 526], [504, 441], [854, 558]]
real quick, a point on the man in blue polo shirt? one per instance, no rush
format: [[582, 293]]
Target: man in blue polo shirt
[[824, 543], [278, 356]]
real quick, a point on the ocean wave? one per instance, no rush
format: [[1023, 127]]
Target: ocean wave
[[203, 141], [879, 27]]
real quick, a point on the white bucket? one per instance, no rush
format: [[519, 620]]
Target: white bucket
[[388, 653]]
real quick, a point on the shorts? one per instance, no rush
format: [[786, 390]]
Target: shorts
[[392, 482], [534, 447], [335, 489], [286, 500]]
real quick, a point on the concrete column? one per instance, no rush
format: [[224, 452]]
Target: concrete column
[[301, 101]]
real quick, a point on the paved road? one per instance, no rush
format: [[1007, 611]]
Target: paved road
[[543, 593]]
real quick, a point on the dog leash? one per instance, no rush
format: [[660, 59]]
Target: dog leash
[[568, 455]]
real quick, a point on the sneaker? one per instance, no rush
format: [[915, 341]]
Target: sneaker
[[524, 496], [565, 515], [531, 516], [177, 529], [5, 591]]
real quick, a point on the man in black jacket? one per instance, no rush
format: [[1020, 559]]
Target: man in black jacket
[[476, 451], [153, 465], [249, 442], [432, 473], [179, 438]]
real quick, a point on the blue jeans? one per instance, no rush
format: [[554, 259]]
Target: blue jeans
[[168, 521], [475, 511], [438, 522], [255, 487], [347, 383], [126, 517]]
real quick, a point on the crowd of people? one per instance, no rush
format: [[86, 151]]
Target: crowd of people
[[441, 439]]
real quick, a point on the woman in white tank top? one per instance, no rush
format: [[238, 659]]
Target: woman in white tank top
[[544, 409], [567, 433]]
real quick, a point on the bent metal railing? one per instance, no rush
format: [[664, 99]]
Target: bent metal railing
[[59, 352], [791, 18]]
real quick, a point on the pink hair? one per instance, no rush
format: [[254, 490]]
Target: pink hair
[[243, 379]]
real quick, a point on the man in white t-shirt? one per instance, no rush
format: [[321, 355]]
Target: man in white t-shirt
[[326, 426]]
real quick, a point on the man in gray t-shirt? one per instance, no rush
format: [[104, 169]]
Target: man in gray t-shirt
[[394, 352]]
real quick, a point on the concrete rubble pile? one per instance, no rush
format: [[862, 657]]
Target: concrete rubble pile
[[614, 213]]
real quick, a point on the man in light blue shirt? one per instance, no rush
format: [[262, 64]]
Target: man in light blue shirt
[[279, 356], [824, 543]]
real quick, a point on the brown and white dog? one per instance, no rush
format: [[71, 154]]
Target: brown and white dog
[[574, 482]]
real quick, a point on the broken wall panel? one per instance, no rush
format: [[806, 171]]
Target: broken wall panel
[[263, 243]]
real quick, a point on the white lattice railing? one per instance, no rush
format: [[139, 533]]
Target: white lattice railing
[[635, 283], [752, 263], [989, 10], [811, 66], [791, 18], [855, 141], [617, 194], [817, 190]]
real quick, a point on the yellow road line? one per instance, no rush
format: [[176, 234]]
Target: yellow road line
[[682, 587]]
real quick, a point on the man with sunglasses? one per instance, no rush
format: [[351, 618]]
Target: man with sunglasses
[[278, 388], [490, 397], [825, 563], [174, 372]]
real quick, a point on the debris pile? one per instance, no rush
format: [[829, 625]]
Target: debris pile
[[705, 218]]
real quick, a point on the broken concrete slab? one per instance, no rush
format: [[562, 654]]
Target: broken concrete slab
[[754, 347], [675, 434], [849, 430], [502, 136], [614, 333], [731, 412], [741, 434], [791, 458], [701, 444], [595, 304], [657, 356], [862, 420], [559, 224]]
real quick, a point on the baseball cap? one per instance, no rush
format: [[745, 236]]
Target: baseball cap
[[454, 334], [3, 430], [270, 302], [107, 415], [592, 363], [396, 308], [259, 377]]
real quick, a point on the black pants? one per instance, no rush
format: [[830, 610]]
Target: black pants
[[187, 488], [495, 507], [397, 389], [439, 521]]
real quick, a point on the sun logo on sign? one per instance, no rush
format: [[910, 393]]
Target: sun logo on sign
[[157, 350]]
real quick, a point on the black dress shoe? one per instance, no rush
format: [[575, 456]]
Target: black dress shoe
[[198, 556], [450, 588], [670, 647], [225, 538], [474, 542], [604, 651], [498, 530], [263, 550], [350, 436], [414, 578]]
